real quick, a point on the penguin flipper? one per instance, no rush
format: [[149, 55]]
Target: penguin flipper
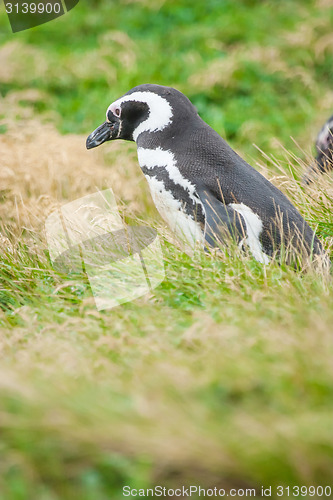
[[222, 222]]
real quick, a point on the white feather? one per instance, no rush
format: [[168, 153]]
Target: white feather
[[171, 210], [159, 157], [160, 111], [253, 229]]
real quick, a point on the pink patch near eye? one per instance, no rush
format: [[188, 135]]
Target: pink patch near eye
[[115, 109]]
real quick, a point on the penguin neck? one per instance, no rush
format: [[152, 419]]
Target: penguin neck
[[172, 135], [154, 140]]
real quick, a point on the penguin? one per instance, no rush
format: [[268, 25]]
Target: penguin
[[324, 147], [201, 187]]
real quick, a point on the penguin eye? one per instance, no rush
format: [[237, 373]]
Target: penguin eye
[[113, 111]]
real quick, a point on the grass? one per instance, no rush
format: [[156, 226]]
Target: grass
[[222, 376]]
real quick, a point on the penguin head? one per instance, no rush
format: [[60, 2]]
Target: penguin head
[[145, 108], [324, 159], [324, 146]]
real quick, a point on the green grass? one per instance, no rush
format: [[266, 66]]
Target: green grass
[[253, 95], [222, 376]]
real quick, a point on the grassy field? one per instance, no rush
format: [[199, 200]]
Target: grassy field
[[223, 375]]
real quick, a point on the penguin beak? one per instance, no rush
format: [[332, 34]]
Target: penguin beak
[[105, 132]]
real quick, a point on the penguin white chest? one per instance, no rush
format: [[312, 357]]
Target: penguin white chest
[[168, 205]]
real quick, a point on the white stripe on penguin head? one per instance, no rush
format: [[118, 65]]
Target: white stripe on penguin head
[[160, 111]]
